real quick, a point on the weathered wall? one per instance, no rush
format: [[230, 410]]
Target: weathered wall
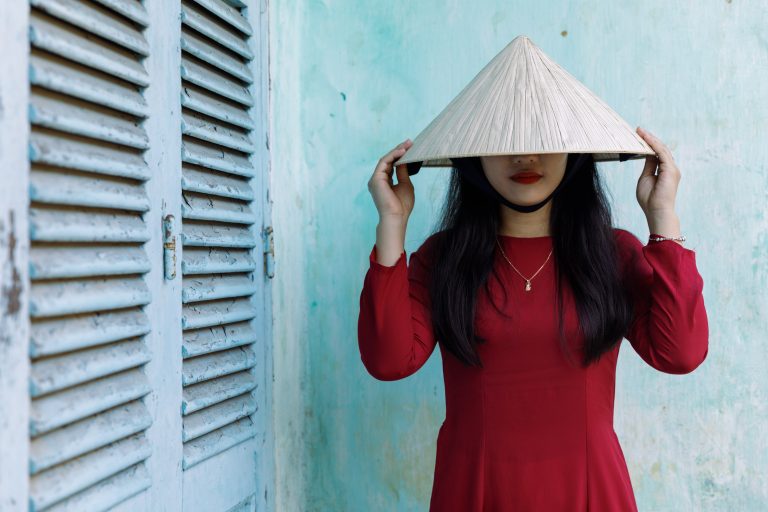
[[352, 79]]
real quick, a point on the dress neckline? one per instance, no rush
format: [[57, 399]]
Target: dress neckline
[[509, 237]]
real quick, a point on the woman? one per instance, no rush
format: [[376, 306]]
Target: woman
[[529, 309]]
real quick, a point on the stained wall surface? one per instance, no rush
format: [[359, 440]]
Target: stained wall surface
[[351, 79]]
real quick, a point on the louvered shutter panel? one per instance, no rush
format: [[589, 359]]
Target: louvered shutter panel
[[217, 233], [87, 257]]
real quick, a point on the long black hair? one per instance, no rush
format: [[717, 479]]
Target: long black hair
[[584, 252]]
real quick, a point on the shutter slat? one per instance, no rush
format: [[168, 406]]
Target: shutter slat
[[134, 10], [72, 262], [197, 316], [219, 59], [53, 225], [45, 71], [217, 159], [213, 80], [218, 364], [228, 14], [205, 341], [49, 375], [71, 477], [53, 187], [86, 435], [216, 184], [107, 493], [56, 336], [96, 22], [87, 295], [71, 44], [207, 446], [216, 261], [204, 288], [58, 409], [218, 210], [207, 420], [205, 129], [202, 102], [217, 236], [78, 119], [215, 31], [205, 394], [76, 154]]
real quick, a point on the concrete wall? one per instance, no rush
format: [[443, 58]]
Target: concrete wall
[[352, 79]]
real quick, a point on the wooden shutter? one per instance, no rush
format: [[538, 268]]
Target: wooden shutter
[[87, 257], [217, 233]]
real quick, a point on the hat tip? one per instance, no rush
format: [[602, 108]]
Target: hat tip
[[521, 40]]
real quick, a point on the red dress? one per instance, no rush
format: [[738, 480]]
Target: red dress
[[530, 432]]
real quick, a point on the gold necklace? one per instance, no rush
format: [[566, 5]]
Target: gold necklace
[[527, 279]]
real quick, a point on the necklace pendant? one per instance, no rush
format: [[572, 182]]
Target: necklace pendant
[[527, 285]]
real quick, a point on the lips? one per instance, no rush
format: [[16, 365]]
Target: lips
[[526, 177], [526, 174]]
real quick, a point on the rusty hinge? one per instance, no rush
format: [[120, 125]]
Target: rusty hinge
[[269, 251], [169, 247]]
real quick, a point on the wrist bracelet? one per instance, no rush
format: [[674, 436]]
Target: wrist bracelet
[[659, 238]]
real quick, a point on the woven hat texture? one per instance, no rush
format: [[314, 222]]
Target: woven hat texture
[[523, 102]]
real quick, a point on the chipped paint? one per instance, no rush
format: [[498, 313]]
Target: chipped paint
[[12, 289]]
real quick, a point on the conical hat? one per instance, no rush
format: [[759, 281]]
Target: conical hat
[[523, 102]]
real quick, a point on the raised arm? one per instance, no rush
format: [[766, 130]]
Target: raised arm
[[670, 331], [395, 335]]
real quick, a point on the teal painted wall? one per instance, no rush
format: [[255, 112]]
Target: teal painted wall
[[352, 79]]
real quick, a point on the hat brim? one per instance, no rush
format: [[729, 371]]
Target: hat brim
[[414, 166]]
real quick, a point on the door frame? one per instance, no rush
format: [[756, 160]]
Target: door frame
[[14, 256]]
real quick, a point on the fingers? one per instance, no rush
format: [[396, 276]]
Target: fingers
[[402, 174], [651, 162], [662, 151], [384, 164]]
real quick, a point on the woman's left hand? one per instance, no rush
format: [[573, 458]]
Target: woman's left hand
[[656, 193]]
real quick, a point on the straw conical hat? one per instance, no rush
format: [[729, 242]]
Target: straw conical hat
[[524, 102]]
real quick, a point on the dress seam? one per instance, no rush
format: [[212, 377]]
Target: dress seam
[[586, 434], [485, 434]]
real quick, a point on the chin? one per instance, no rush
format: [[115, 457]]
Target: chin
[[524, 201], [528, 196]]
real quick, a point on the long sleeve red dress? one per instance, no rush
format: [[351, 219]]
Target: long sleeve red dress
[[530, 431]]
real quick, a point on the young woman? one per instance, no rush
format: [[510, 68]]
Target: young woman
[[529, 309]]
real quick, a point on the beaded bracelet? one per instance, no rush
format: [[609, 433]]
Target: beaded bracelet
[[658, 238]]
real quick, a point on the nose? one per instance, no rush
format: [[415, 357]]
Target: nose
[[525, 159]]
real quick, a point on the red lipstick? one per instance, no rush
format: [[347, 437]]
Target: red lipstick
[[526, 177]]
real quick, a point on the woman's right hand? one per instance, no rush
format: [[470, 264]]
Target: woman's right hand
[[394, 202]]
